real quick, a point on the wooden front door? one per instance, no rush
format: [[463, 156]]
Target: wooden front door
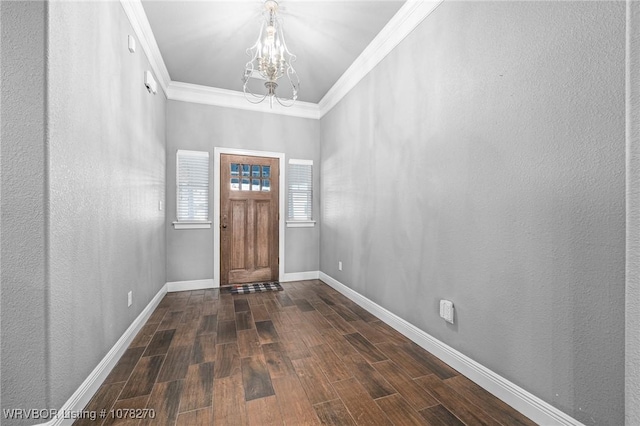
[[248, 219]]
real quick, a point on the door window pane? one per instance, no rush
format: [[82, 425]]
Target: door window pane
[[235, 184], [250, 177]]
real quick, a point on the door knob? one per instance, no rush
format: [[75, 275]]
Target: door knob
[[224, 221]]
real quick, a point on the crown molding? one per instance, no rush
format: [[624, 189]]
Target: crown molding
[[408, 17], [141, 27], [206, 95]]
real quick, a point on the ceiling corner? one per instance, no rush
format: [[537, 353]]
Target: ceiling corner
[[140, 24], [408, 17]]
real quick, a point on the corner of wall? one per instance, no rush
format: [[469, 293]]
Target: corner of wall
[[24, 243], [632, 294]]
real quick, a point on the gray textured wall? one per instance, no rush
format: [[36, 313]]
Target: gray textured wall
[[201, 127], [632, 311], [107, 157], [499, 184], [483, 161], [23, 206], [92, 223]]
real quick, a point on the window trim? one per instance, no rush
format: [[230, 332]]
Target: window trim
[[190, 223], [301, 223]]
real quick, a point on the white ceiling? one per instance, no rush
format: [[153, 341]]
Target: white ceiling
[[205, 42]]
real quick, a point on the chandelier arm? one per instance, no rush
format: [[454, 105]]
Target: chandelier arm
[[255, 45], [258, 100], [280, 101], [292, 57], [291, 73], [247, 90]]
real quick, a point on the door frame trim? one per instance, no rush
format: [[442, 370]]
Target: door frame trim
[[217, 151]]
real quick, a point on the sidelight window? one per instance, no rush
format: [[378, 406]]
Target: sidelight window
[[300, 193], [192, 192]]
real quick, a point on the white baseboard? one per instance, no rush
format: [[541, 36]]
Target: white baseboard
[[174, 286], [300, 276], [528, 404], [90, 386], [189, 285]]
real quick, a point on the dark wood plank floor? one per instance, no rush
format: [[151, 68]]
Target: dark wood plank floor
[[303, 356]]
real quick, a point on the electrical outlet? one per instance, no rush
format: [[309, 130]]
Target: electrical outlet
[[130, 298], [339, 265], [446, 310]]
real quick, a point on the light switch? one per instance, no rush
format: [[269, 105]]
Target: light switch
[[132, 44]]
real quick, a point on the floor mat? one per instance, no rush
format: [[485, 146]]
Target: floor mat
[[255, 288]]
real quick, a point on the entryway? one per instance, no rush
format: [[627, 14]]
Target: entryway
[[248, 216]]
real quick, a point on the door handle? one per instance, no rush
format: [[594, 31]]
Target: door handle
[[224, 221]]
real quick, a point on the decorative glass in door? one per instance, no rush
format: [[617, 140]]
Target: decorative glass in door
[[250, 177]]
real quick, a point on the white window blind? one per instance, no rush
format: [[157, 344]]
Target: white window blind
[[300, 194], [192, 177]]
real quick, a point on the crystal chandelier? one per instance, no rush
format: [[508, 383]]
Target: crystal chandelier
[[270, 60]]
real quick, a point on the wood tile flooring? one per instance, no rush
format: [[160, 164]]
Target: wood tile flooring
[[303, 356]]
